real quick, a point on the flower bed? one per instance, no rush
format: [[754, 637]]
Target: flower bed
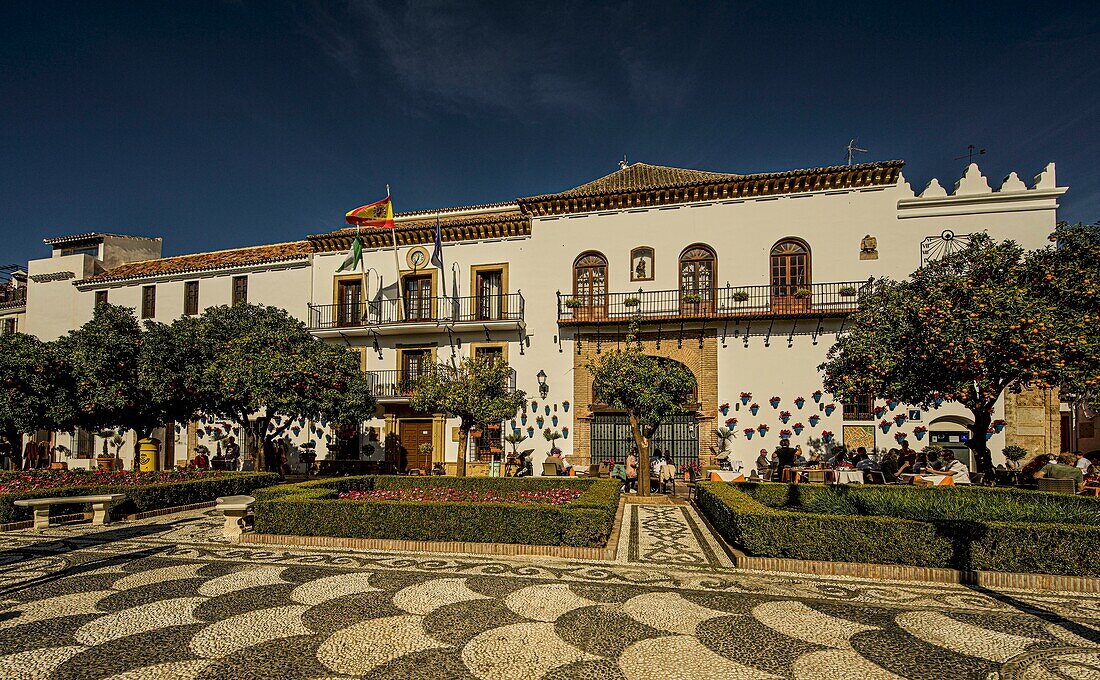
[[443, 494], [533, 511], [962, 528], [144, 491], [31, 480]]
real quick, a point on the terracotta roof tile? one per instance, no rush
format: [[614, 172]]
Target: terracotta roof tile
[[641, 176], [220, 259]]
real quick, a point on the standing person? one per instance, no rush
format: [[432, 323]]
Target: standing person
[[269, 455], [30, 455], [5, 452], [785, 455], [232, 454], [44, 457], [631, 472]]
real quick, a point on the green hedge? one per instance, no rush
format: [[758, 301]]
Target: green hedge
[[141, 498], [313, 509], [936, 529]]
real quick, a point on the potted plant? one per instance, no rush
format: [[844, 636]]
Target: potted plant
[[799, 401], [631, 302], [565, 406], [879, 411], [826, 436], [937, 399], [817, 396], [749, 432], [785, 416], [829, 408], [724, 435], [745, 398], [899, 418], [740, 296], [814, 420], [1014, 453], [899, 437], [725, 408], [754, 408], [785, 434], [847, 291], [998, 425], [774, 401], [798, 427], [551, 436], [762, 429], [573, 303], [691, 298], [891, 404], [919, 432], [425, 449], [565, 432], [803, 293], [885, 425], [731, 422]]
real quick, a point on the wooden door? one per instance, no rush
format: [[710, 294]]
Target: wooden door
[[490, 295], [697, 281], [790, 277], [349, 300], [418, 298], [590, 286], [413, 434]]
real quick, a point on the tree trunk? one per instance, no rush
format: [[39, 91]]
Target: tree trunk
[[643, 456], [983, 461], [463, 450]]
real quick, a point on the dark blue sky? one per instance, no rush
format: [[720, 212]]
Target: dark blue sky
[[220, 124]]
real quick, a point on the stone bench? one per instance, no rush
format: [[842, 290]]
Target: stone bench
[[101, 506], [235, 509]]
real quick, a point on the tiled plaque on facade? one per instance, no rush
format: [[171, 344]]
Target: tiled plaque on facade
[[856, 436]]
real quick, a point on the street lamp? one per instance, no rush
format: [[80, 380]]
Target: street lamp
[[544, 389]]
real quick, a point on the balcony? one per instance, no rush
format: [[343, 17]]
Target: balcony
[[742, 302], [397, 386], [391, 316], [12, 296]]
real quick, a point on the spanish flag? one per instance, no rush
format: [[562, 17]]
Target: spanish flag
[[377, 214]]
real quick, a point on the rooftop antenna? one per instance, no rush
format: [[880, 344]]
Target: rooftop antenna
[[971, 151], [623, 163], [853, 149]]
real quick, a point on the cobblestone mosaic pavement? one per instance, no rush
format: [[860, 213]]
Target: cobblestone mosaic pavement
[[167, 598]]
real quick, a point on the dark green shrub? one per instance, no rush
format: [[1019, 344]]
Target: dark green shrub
[[959, 528], [142, 498], [313, 509]]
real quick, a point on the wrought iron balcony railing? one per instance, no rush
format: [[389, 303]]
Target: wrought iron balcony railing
[[480, 308], [398, 384], [729, 302], [13, 296]]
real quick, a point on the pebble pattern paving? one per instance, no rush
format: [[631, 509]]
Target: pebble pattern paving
[[168, 598]]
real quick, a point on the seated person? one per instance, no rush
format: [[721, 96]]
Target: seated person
[[815, 459], [1064, 467], [951, 468], [799, 457], [762, 464], [559, 463], [863, 461], [889, 467]]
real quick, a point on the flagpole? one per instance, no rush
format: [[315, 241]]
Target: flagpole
[[396, 261]]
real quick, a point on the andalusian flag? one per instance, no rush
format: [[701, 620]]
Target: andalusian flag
[[377, 214], [355, 257]]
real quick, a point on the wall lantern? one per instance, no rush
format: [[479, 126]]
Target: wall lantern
[[544, 389]]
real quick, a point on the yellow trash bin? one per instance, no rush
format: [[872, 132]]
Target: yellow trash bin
[[148, 455]]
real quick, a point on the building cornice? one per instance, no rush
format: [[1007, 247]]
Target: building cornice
[[843, 177], [477, 227], [189, 274]]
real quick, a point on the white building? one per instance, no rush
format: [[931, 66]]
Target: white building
[[745, 279]]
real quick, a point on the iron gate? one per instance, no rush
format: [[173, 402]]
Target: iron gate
[[611, 438]]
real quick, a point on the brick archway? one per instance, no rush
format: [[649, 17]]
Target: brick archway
[[701, 361]]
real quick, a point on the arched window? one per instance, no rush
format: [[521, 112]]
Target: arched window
[[790, 267], [698, 267], [590, 283]]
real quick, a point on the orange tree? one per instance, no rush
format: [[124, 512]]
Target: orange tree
[[36, 391], [650, 389], [262, 361], [965, 328], [476, 391]]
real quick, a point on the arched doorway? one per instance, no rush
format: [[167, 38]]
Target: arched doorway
[[590, 285], [611, 437], [952, 433]]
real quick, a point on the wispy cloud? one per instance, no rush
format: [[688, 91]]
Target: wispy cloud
[[573, 58]]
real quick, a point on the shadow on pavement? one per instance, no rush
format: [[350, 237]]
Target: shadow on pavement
[[1081, 630]]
